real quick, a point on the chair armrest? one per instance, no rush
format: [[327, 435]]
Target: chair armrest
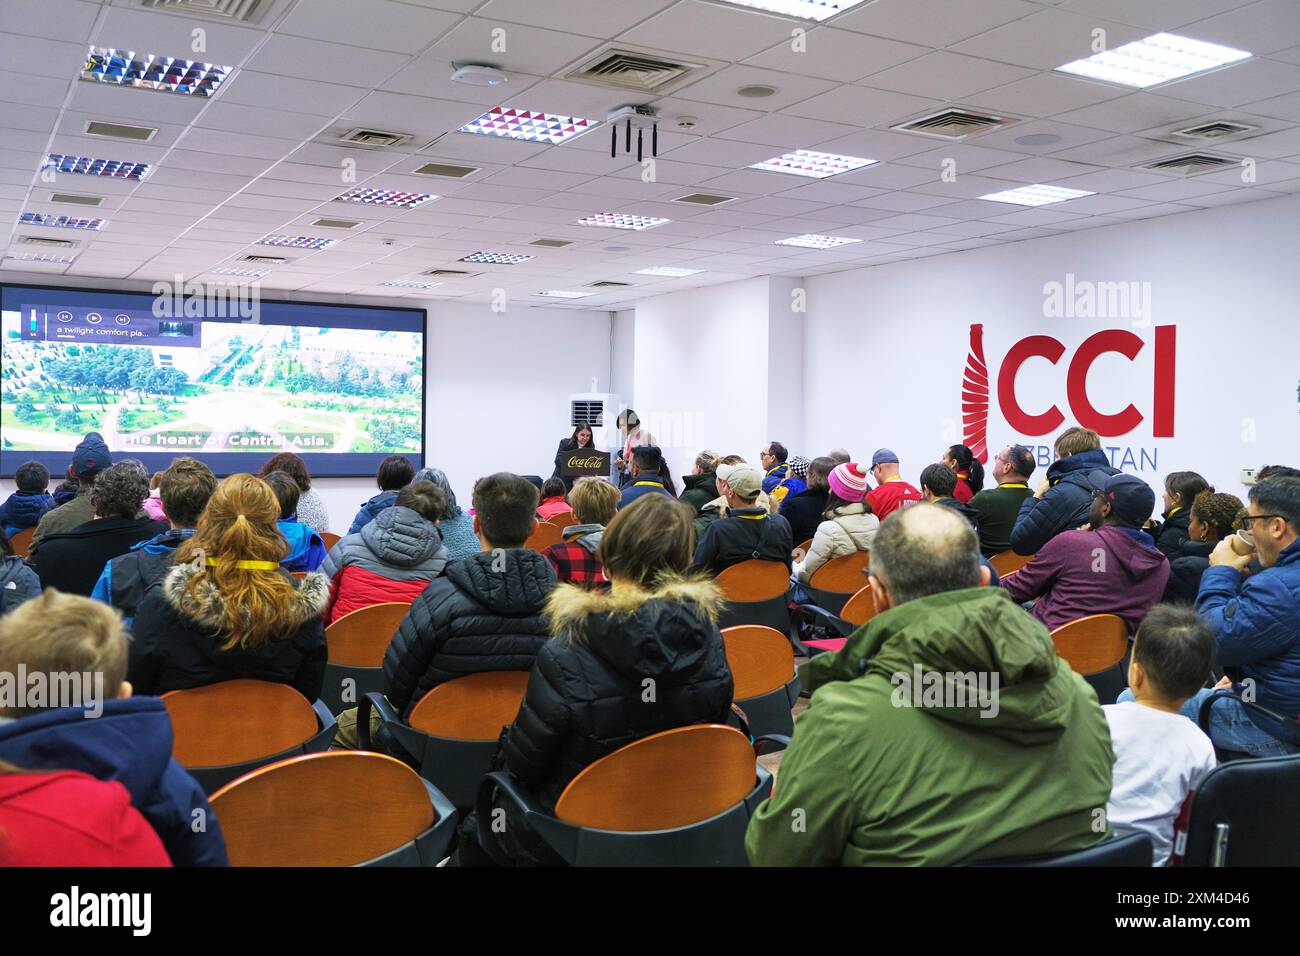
[[329, 726], [770, 743], [1203, 716], [502, 782], [822, 616], [380, 703]]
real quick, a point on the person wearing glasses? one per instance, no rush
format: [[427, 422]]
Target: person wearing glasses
[[1256, 623], [1110, 566], [998, 507]]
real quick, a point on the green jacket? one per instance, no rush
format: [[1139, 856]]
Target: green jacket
[[883, 771], [699, 490]]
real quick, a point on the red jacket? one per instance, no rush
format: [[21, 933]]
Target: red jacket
[[962, 492], [887, 498], [67, 818]]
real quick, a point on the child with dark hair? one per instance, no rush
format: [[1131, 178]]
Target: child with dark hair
[[553, 501], [395, 473], [1212, 517], [1160, 755], [306, 548], [24, 508]]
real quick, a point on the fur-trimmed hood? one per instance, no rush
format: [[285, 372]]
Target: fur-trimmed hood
[[665, 630], [207, 607]]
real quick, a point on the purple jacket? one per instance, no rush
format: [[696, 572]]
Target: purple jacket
[[1108, 571]]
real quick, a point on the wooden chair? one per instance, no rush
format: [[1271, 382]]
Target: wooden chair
[[1094, 646], [544, 535], [1008, 562], [330, 539], [344, 808], [452, 732], [859, 609], [805, 546], [21, 542], [682, 797], [762, 667], [563, 520], [755, 592], [225, 730], [838, 580], [298, 575], [357, 643]]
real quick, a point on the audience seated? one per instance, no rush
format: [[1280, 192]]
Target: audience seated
[[28, 504], [647, 465], [73, 560], [129, 742], [587, 692], [455, 525], [1181, 489], [968, 469], [891, 491], [998, 507], [226, 609], [89, 458], [748, 530], [774, 461], [553, 502], [905, 757], [306, 548], [804, 509], [795, 481], [839, 455], [700, 486], [1113, 567], [717, 508], [1256, 621], [66, 491], [184, 491], [1064, 496], [849, 525], [1159, 756], [938, 486], [152, 504], [576, 559], [1212, 518], [18, 582], [393, 558], [395, 472], [311, 506]]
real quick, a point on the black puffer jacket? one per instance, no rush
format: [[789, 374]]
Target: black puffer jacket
[[804, 512], [476, 617], [1173, 538], [1066, 504], [623, 664], [1185, 573]]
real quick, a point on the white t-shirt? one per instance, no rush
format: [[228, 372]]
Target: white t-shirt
[[1159, 758]]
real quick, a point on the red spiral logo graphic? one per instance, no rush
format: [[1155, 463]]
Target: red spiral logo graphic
[[975, 397]]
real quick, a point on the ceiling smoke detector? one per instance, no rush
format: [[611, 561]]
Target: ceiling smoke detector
[[478, 74]]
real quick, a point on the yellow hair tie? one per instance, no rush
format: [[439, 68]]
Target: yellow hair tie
[[246, 565]]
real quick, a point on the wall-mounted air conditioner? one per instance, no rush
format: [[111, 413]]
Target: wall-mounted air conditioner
[[599, 411]]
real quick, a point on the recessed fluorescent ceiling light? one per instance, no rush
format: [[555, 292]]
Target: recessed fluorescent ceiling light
[[562, 294], [298, 242], [528, 125], [804, 9], [39, 258], [61, 222], [409, 284], [88, 166], [620, 220], [1157, 59], [671, 272], [1036, 195], [816, 242], [805, 162], [497, 258], [386, 197], [149, 71], [242, 273]]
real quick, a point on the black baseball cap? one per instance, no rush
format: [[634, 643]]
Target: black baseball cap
[[1129, 496]]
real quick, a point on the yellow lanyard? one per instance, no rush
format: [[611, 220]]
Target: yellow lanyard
[[1014, 484], [245, 565]]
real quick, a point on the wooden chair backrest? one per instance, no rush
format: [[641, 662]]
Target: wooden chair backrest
[[842, 575], [1008, 562], [563, 519], [761, 659], [543, 536], [236, 721], [330, 539], [21, 542], [860, 608], [804, 546], [669, 779], [360, 639], [754, 580], [337, 808], [1092, 644], [298, 575], [473, 707]]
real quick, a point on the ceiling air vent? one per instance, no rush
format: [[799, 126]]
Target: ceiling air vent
[[1221, 129], [374, 138], [606, 284], [241, 11], [704, 199], [43, 241], [629, 70], [140, 134], [451, 273], [1190, 165], [954, 124], [74, 200], [337, 223], [446, 170], [552, 243], [266, 260]]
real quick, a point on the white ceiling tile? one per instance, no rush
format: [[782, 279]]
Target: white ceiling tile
[[721, 88], [239, 144], [258, 121], [52, 19], [786, 132], [1284, 107], [145, 30], [377, 24], [607, 18], [865, 107], [1175, 190], [528, 50], [403, 113], [709, 29], [1158, 16], [1131, 113], [946, 76], [31, 56], [833, 54], [935, 23], [316, 60], [1047, 39], [316, 98], [1236, 84], [1044, 95], [1261, 27]]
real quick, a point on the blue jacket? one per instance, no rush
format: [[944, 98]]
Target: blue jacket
[[23, 509], [130, 743], [775, 477], [1257, 624], [371, 508], [1066, 504], [306, 549], [642, 485], [125, 579]]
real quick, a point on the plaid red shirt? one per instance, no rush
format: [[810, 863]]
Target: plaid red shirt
[[575, 564]]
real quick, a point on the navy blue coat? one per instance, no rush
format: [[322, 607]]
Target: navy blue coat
[[23, 509], [130, 743], [1066, 504], [372, 508]]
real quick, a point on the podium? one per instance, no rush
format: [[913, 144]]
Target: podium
[[584, 463]]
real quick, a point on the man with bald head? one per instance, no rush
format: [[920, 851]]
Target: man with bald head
[[945, 731]]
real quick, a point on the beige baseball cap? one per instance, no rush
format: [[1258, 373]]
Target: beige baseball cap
[[745, 480]]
